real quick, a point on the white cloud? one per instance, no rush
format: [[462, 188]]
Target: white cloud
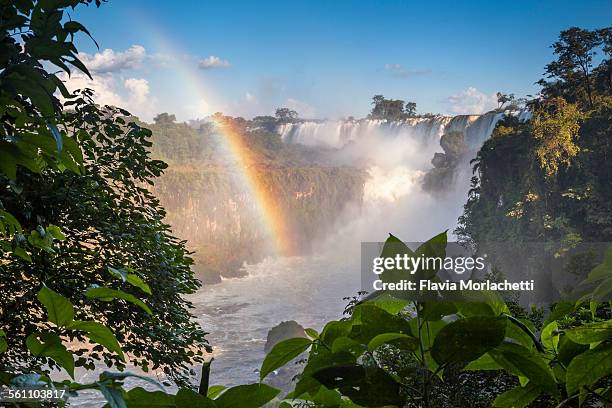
[[471, 101], [115, 61], [198, 110], [213, 62], [400, 71], [138, 91], [132, 94]]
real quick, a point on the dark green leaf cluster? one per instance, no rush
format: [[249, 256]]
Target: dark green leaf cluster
[[402, 352]]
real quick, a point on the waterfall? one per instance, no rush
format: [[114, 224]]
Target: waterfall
[[336, 134], [397, 155]]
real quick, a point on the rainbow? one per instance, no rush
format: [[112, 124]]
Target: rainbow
[[245, 162], [241, 158]]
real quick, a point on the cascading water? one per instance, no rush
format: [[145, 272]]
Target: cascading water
[[339, 133], [397, 155]]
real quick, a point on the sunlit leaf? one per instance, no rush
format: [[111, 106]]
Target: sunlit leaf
[[59, 309], [282, 353]]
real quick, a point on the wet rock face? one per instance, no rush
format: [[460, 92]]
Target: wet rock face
[[284, 377], [445, 164], [221, 222], [453, 144], [439, 160], [283, 331]]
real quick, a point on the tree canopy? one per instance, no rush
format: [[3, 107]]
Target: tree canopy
[[391, 109], [77, 218]]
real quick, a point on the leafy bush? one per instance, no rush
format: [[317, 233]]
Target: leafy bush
[[401, 352]]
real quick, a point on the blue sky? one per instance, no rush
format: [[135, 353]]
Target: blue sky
[[323, 58]]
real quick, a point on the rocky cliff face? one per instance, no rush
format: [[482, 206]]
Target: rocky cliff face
[[205, 207]]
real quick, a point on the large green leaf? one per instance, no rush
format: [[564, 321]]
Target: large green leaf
[[590, 332], [130, 278], [187, 398], [335, 329], [246, 396], [403, 341], [59, 308], [56, 232], [320, 357], [587, 368], [603, 291], [434, 248], [215, 390], [108, 295], [428, 331], [388, 303], [98, 333], [549, 336], [467, 339], [518, 334], [50, 345], [140, 398], [436, 310], [8, 162], [312, 333], [521, 361], [569, 349], [481, 303], [368, 387], [394, 246], [369, 321], [136, 281], [518, 397], [282, 353], [348, 345], [325, 397], [3, 343], [484, 362]]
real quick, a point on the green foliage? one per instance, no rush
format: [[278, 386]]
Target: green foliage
[[518, 397], [35, 33], [74, 206], [108, 219], [391, 109], [59, 308], [576, 79], [555, 126], [587, 368], [282, 353], [467, 339], [285, 115], [388, 354], [548, 179], [108, 295], [246, 396], [50, 345]]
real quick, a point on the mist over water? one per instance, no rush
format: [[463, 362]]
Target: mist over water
[[239, 312]]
